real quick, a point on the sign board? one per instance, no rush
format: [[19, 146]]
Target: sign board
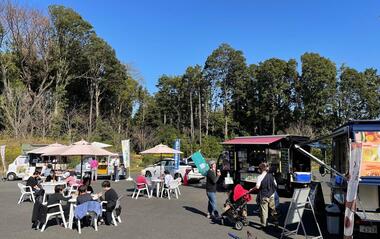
[[370, 161], [177, 146], [297, 205], [125, 147], [200, 162], [2, 154]]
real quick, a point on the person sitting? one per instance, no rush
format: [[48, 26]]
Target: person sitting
[[48, 170], [141, 179], [167, 179], [87, 181], [110, 196], [70, 179], [33, 183], [57, 197], [83, 196], [51, 177]]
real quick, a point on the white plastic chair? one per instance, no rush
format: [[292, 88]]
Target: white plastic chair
[[24, 192], [114, 216], [72, 189], [173, 187], [94, 221], [143, 187], [55, 214]]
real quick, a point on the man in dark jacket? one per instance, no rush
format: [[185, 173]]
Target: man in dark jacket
[[211, 179], [58, 197], [110, 196], [266, 184], [83, 196]]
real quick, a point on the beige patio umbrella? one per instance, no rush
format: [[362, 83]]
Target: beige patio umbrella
[[81, 148], [161, 149], [47, 149]]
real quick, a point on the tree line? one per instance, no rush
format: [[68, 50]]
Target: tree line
[[59, 79]]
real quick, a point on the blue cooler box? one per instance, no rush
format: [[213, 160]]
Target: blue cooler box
[[302, 177]]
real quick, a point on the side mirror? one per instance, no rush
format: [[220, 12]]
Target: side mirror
[[322, 170]]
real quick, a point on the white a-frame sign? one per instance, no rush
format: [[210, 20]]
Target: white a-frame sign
[[296, 209]]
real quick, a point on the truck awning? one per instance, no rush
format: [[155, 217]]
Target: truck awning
[[263, 140]]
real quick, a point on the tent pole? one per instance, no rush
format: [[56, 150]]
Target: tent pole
[[81, 166]]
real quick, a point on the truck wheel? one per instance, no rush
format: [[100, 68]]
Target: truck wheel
[[148, 174], [178, 175], [11, 176]]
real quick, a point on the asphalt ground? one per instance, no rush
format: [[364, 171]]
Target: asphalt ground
[[156, 218]]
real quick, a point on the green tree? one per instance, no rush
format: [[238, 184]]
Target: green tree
[[226, 71], [318, 90], [275, 78]]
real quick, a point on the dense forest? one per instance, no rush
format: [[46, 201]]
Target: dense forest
[[60, 80]]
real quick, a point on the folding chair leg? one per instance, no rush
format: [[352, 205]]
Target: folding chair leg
[[95, 220], [168, 191], [119, 219], [179, 192], [21, 197], [63, 219], [114, 219], [134, 192], [33, 199], [43, 227], [138, 193], [79, 228], [176, 193]]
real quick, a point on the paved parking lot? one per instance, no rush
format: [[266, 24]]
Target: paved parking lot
[[154, 218]]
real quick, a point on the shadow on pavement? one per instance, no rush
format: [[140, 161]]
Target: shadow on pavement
[[195, 210]]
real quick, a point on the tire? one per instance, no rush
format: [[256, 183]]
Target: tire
[[178, 175], [148, 174], [11, 176], [239, 225]]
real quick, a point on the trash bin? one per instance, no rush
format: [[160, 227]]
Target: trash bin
[[332, 219]]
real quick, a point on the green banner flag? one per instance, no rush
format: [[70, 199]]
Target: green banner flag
[[200, 162]]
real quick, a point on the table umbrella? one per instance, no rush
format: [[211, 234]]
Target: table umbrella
[[161, 149], [81, 148]]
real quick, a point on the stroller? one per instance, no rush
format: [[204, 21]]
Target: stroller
[[235, 210]]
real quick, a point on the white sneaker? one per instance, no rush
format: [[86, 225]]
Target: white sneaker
[[116, 180]]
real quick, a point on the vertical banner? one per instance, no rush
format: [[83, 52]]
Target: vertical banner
[[356, 150], [125, 147], [2, 154], [177, 146]]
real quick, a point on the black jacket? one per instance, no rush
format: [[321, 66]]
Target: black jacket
[[211, 180], [111, 197], [267, 186]]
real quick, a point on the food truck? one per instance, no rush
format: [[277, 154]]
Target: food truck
[[25, 164], [242, 156], [354, 177]]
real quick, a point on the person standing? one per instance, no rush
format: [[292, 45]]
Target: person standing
[[116, 164], [266, 184], [94, 169], [211, 179]]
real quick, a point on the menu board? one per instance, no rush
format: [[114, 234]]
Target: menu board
[[370, 165]]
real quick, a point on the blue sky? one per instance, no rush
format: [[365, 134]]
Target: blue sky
[[164, 37]]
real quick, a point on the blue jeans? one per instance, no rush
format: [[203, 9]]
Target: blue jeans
[[212, 209]]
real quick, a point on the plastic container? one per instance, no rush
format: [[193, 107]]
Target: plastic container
[[332, 219], [302, 177]]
